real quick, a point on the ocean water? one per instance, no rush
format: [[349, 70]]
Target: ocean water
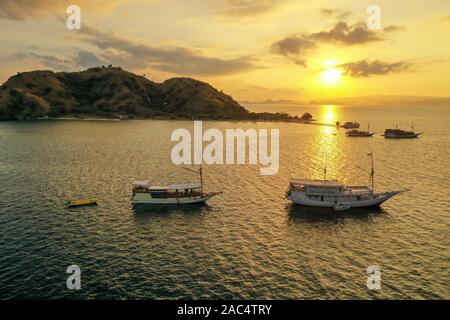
[[248, 242]]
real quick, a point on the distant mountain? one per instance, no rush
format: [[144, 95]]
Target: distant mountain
[[270, 101], [374, 100], [113, 92], [383, 100]]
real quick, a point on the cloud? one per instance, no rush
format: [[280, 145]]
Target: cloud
[[87, 59], [111, 49], [345, 34], [393, 28], [444, 22], [293, 47], [242, 8], [178, 60], [51, 62], [82, 58], [336, 13], [24, 9], [296, 47], [364, 68]]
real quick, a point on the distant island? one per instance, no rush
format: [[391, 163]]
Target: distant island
[[111, 92], [365, 101]]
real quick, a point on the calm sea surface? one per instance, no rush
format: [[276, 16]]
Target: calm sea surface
[[248, 242]]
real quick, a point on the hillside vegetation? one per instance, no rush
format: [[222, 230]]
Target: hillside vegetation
[[111, 92]]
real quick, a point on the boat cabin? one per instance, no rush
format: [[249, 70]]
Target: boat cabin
[[318, 187], [329, 190], [169, 191]]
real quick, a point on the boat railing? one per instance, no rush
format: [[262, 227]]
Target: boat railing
[[140, 189], [171, 194], [298, 187], [358, 187]]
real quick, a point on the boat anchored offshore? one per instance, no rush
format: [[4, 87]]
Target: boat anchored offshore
[[146, 193], [81, 202], [348, 125], [334, 194], [359, 133], [401, 134]]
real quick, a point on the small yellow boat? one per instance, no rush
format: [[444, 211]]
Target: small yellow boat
[[81, 202]]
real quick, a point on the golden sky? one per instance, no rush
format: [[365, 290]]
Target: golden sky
[[252, 49]]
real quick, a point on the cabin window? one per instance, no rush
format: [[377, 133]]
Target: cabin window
[[321, 198]]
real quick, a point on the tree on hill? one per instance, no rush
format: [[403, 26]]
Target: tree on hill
[[306, 116]]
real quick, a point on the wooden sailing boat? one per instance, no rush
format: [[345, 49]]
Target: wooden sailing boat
[[335, 194], [144, 192]]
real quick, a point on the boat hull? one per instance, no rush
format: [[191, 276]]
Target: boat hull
[[360, 135], [81, 203], [147, 199], [412, 136], [301, 199]]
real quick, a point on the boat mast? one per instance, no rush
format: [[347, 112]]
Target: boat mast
[[372, 173], [201, 178], [199, 172]]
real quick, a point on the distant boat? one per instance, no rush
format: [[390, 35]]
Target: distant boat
[[400, 134], [348, 125], [145, 192], [334, 194], [81, 203], [360, 133]]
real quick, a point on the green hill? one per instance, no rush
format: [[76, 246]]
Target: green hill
[[112, 92]]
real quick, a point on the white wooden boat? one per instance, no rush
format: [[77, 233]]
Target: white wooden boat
[[144, 192], [334, 194], [360, 133], [401, 134]]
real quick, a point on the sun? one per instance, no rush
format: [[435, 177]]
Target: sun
[[331, 75]]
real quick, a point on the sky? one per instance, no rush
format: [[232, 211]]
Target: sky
[[254, 50]]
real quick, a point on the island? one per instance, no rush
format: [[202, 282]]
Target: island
[[113, 93]]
